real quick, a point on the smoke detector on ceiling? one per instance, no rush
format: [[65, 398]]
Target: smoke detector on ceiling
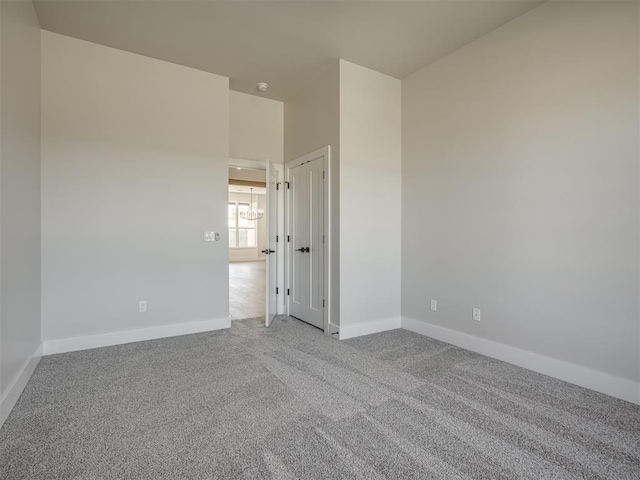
[[262, 86]]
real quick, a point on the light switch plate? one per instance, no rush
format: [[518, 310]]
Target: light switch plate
[[209, 236]]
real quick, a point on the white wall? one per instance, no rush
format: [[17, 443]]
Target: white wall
[[312, 121], [256, 128], [134, 170], [19, 199], [370, 200], [251, 254], [520, 187]]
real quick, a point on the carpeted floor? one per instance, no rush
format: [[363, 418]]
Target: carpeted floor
[[289, 402]]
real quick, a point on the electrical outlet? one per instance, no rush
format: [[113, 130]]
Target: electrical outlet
[[476, 314], [142, 306], [434, 305]]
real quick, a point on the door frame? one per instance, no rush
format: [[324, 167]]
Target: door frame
[[325, 153], [280, 282]]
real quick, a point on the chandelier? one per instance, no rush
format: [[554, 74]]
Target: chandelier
[[251, 214]]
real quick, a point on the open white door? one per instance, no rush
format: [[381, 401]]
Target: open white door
[[272, 247]]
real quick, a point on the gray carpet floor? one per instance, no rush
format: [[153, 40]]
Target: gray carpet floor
[[289, 402]]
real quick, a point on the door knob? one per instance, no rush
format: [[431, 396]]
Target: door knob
[[303, 249], [271, 251], [266, 252]]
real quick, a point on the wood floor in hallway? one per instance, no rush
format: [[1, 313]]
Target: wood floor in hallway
[[247, 285]]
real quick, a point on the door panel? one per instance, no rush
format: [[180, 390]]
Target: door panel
[[299, 274], [316, 227], [272, 245], [306, 254]]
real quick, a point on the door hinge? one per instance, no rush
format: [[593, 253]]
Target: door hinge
[[288, 185], [323, 303], [323, 174], [288, 238], [322, 238], [277, 185], [277, 290], [288, 292], [277, 238]]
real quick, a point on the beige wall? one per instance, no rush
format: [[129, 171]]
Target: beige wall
[[520, 187], [312, 121], [19, 194], [248, 174], [134, 170], [370, 183], [256, 128]]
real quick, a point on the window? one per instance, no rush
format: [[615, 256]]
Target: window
[[242, 233]]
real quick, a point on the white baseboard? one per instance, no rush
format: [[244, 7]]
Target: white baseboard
[[15, 388], [106, 339], [585, 377], [367, 328]]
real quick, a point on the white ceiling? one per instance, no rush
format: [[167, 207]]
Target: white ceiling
[[282, 43]]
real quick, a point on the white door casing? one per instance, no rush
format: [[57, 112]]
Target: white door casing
[[308, 244]]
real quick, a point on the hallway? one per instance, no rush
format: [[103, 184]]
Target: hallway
[[247, 284]]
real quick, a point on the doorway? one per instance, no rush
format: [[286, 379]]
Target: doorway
[[247, 226], [308, 238], [255, 245]]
